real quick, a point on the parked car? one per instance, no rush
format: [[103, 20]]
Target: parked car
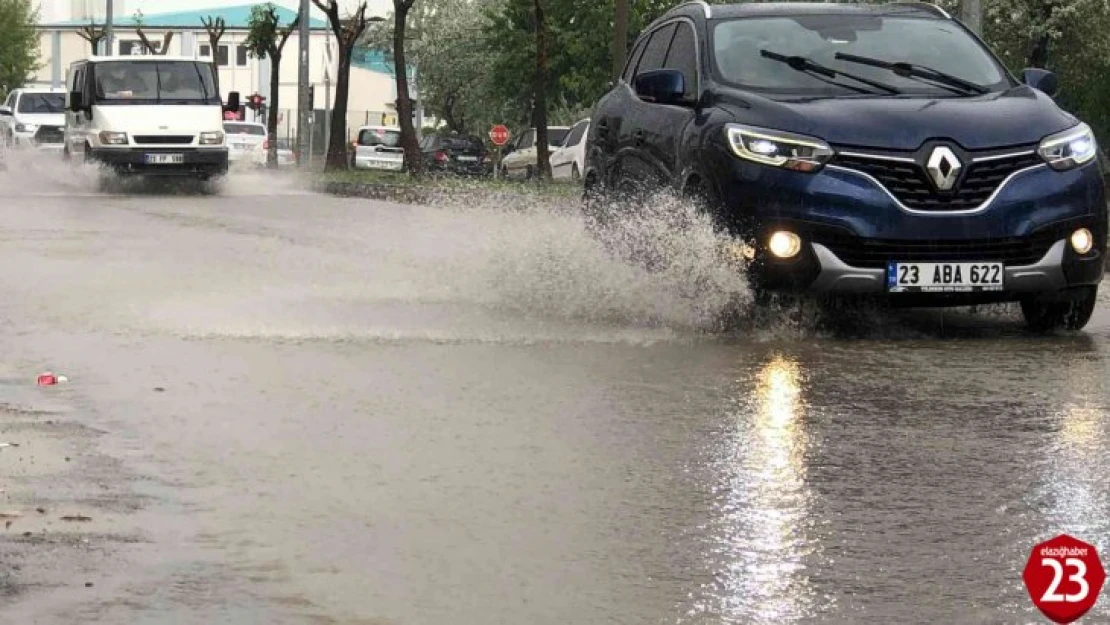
[[454, 154], [520, 156], [248, 145], [378, 147], [569, 160], [34, 117], [876, 149]]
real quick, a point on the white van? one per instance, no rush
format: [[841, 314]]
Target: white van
[[147, 115]]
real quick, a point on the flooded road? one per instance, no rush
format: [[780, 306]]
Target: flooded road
[[291, 408]]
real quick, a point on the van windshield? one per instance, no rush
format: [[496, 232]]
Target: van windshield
[[936, 44], [144, 82]]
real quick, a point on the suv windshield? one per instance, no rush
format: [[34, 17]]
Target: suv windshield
[[936, 44], [178, 82], [42, 103], [382, 137]]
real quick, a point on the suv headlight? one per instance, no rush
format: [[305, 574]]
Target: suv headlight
[[212, 138], [107, 137], [778, 148], [1069, 149]]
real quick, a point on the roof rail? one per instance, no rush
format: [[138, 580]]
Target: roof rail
[[704, 7], [925, 6]]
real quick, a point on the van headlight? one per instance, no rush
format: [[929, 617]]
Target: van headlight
[[25, 127], [1069, 149], [107, 137], [212, 138], [778, 148]]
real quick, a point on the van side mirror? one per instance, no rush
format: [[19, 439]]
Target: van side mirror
[[232, 102], [1041, 79], [5, 111], [76, 101], [661, 86]]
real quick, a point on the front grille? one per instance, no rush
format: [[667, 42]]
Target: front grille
[[163, 139], [908, 182], [876, 253], [49, 134]]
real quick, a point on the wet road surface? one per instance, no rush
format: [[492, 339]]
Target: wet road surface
[[291, 408]]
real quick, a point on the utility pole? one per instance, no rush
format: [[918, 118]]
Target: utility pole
[[108, 27], [971, 14], [327, 92], [303, 130]]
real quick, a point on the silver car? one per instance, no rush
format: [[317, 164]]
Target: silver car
[[378, 147]]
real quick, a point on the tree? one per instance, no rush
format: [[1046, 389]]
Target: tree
[[347, 33], [148, 47], [266, 39], [215, 27], [620, 36], [94, 35], [543, 160], [413, 157], [19, 43]]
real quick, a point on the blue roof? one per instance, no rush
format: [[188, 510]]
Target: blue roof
[[236, 17], [373, 60]]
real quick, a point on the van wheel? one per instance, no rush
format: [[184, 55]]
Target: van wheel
[[528, 173], [1071, 315], [575, 176]]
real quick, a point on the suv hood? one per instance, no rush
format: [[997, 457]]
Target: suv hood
[[1019, 116], [41, 119]]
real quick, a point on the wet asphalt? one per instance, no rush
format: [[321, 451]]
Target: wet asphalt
[[285, 407]]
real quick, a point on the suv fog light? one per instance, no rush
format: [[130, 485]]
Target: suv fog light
[[784, 244], [1082, 241]]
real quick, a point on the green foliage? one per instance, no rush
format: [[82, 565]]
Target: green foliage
[[19, 44], [263, 31]]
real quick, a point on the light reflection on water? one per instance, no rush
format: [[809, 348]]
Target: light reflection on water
[[764, 512]]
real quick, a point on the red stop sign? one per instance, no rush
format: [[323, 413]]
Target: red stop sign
[[1064, 577], [499, 134]]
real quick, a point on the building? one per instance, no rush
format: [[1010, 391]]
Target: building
[[372, 84]]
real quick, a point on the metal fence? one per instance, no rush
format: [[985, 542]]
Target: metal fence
[[287, 126]]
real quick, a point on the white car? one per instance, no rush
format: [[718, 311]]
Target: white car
[[569, 160], [520, 158], [378, 147], [248, 144], [34, 117]]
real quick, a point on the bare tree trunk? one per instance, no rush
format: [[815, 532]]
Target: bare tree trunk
[[273, 110], [215, 27], [971, 14], [337, 143], [543, 157], [93, 34], [413, 158], [620, 37]]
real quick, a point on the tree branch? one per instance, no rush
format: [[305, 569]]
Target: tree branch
[[286, 33]]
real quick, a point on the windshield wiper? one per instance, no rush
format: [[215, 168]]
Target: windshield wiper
[[802, 64], [909, 70]]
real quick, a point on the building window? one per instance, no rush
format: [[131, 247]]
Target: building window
[[205, 49], [241, 56], [134, 47], [222, 56]]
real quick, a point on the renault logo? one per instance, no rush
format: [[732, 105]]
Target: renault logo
[[943, 168]]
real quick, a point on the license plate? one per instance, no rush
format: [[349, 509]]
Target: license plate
[[469, 159], [944, 277], [165, 159], [385, 164]]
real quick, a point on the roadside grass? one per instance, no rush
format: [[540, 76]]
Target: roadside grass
[[446, 182]]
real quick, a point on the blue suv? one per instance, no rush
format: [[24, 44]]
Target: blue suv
[[862, 149]]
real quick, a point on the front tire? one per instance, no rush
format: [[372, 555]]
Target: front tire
[[1071, 315]]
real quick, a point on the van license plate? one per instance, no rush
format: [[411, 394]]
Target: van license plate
[[944, 277], [165, 159]]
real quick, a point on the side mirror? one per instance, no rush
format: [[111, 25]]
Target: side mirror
[[5, 111], [1041, 79], [232, 101], [661, 86], [76, 102]]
